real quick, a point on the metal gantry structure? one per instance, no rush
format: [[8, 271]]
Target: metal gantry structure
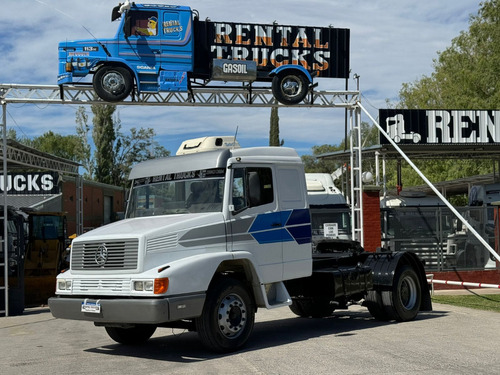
[[204, 96]]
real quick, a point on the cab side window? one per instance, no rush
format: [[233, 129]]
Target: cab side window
[[144, 23], [252, 186]]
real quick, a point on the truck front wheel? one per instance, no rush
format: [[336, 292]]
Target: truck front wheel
[[228, 316], [136, 335], [112, 83], [402, 302], [290, 87]]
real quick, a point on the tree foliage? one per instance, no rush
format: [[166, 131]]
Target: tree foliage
[[274, 129], [62, 146], [466, 75], [369, 136], [115, 152]]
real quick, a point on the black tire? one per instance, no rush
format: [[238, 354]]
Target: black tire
[[113, 83], [228, 316], [402, 303], [290, 87], [136, 335], [314, 308], [375, 305]]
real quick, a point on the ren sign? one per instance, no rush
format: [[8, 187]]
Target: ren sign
[[416, 126]]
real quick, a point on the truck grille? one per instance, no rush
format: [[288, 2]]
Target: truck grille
[[96, 286], [113, 255]]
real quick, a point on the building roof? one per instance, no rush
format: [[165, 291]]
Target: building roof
[[461, 151]]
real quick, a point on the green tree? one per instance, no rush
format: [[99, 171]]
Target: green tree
[[62, 146], [466, 75], [104, 137], [83, 149], [274, 129], [369, 137], [115, 152]]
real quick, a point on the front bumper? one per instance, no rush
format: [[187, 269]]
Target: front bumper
[[136, 311], [64, 78]]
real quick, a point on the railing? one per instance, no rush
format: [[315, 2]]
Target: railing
[[438, 238]]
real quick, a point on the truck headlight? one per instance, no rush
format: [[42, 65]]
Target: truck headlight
[[157, 286], [143, 286], [63, 284]]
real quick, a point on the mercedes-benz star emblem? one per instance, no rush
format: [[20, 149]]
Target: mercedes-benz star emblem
[[101, 255]]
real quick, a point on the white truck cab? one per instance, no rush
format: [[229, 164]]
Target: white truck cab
[[190, 219], [210, 237]]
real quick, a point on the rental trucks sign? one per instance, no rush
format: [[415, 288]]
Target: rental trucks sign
[[31, 183], [321, 49], [419, 126]]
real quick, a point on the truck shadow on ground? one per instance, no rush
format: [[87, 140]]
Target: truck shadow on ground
[[184, 347]]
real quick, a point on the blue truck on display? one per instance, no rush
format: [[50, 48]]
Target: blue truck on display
[[167, 48]]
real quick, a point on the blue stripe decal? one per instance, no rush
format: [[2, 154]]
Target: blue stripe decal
[[299, 217], [267, 221], [302, 233], [283, 226], [273, 236]]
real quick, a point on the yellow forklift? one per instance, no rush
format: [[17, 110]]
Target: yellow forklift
[[46, 255]]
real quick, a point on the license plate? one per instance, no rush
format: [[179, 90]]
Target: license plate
[[91, 307]]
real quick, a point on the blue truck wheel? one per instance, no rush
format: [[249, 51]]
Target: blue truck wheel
[[290, 87], [113, 83]]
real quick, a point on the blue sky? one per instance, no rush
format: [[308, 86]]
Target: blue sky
[[392, 42]]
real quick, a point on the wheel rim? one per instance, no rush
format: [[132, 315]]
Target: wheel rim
[[113, 82], [232, 316], [408, 293], [291, 86]]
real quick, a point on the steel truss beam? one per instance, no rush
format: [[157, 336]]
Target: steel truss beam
[[231, 96], [23, 157]]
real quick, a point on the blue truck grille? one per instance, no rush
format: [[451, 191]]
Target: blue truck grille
[[112, 255]]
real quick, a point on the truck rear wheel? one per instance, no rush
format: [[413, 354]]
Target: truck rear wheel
[[290, 87], [402, 303], [228, 316], [136, 335], [112, 83], [315, 308]]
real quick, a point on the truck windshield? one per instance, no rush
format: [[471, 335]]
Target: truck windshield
[[166, 195]]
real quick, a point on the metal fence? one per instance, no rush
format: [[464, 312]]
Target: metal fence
[[439, 238]]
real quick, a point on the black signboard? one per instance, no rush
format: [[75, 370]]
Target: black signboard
[[440, 126], [324, 50], [30, 183]]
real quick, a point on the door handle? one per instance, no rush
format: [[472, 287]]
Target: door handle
[[274, 225]]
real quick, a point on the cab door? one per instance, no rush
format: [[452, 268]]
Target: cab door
[[140, 41], [177, 40], [255, 223]]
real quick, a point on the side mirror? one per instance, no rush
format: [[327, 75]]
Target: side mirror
[[127, 30]]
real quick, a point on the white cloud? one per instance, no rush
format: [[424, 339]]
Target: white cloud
[[392, 41]]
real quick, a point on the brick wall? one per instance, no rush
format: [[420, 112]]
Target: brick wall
[[483, 276], [371, 217], [93, 203]]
